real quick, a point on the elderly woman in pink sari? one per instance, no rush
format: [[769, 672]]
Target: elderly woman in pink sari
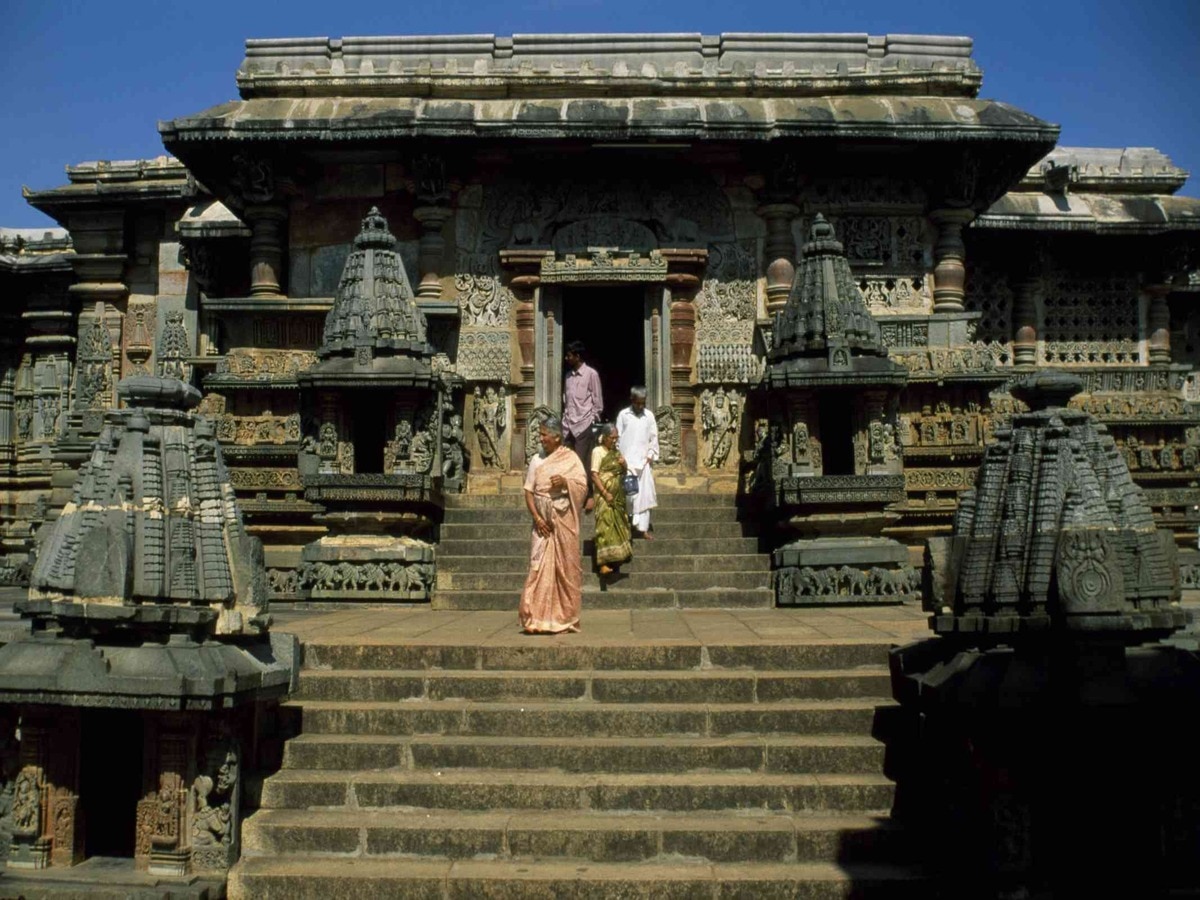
[[555, 489]]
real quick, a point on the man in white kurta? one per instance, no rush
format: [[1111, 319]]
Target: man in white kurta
[[638, 442]]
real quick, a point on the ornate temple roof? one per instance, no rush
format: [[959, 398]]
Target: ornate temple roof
[[152, 536], [1055, 534]]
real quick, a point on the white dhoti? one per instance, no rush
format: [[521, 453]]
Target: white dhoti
[[638, 442], [644, 500]]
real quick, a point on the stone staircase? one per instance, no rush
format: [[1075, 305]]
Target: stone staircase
[[701, 557], [581, 766]]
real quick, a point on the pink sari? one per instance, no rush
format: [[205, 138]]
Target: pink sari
[[554, 589]]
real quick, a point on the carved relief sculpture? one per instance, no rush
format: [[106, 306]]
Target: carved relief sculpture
[[491, 419], [720, 417]]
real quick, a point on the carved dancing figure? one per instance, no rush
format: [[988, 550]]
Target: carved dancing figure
[[452, 448]]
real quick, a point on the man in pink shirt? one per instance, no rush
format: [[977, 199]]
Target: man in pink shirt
[[583, 404]]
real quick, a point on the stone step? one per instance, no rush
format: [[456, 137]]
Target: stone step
[[551, 719], [526, 654], [830, 754], [582, 835], [692, 531], [368, 879], [474, 789], [519, 546], [664, 580], [615, 598], [711, 686], [516, 500], [715, 563], [519, 515]]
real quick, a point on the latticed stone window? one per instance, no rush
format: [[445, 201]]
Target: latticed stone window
[[988, 292], [1091, 320]]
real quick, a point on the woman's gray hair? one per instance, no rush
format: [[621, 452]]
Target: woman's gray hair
[[552, 423], [605, 429], [639, 392]]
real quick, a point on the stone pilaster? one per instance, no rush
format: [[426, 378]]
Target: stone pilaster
[[47, 827], [1027, 294], [431, 250], [779, 252], [268, 222], [949, 256], [1158, 323]]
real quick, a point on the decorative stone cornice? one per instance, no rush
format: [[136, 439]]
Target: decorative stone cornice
[[605, 64], [601, 264]]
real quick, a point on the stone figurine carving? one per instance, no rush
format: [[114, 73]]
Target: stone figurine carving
[[453, 468], [668, 435], [491, 419], [720, 417]]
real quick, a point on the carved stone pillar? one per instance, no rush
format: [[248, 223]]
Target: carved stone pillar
[[683, 280], [267, 223], [949, 254], [779, 253], [1158, 323], [431, 249], [523, 284], [1027, 291]]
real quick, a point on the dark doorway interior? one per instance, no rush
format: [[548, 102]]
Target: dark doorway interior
[[370, 432], [110, 781], [837, 434], [610, 322]]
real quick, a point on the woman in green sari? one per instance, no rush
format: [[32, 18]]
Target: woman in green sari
[[612, 522]]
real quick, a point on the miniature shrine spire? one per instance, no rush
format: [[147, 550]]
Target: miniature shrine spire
[[374, 310]]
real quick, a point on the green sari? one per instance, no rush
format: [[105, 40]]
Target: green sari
[[612, 521]]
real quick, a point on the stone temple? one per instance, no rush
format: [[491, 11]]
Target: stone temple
[[831, 263]]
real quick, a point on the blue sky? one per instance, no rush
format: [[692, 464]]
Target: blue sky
[[89, 80]]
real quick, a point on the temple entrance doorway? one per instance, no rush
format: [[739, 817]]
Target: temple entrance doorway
[[610, 322], [110, 781]]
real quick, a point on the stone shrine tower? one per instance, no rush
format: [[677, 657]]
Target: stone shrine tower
[[829, 463], [371, 454], [149, 648]]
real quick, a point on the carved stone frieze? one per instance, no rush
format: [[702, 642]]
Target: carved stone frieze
[[264, 365], [851, 190], [845, 584], [484, 356], [407, 580], [1125, 406], [721, 421], [601, 264], [249, 479], [1134, 380], [482, 297], [933, 479], [974, 358], [880, 240], [729, 292], [731, 362], [895, 293], [943, 426], [251, 430], [283, 582], [904, 334]]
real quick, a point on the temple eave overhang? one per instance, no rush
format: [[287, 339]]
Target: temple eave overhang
[[1092, 213], [357, 118]]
